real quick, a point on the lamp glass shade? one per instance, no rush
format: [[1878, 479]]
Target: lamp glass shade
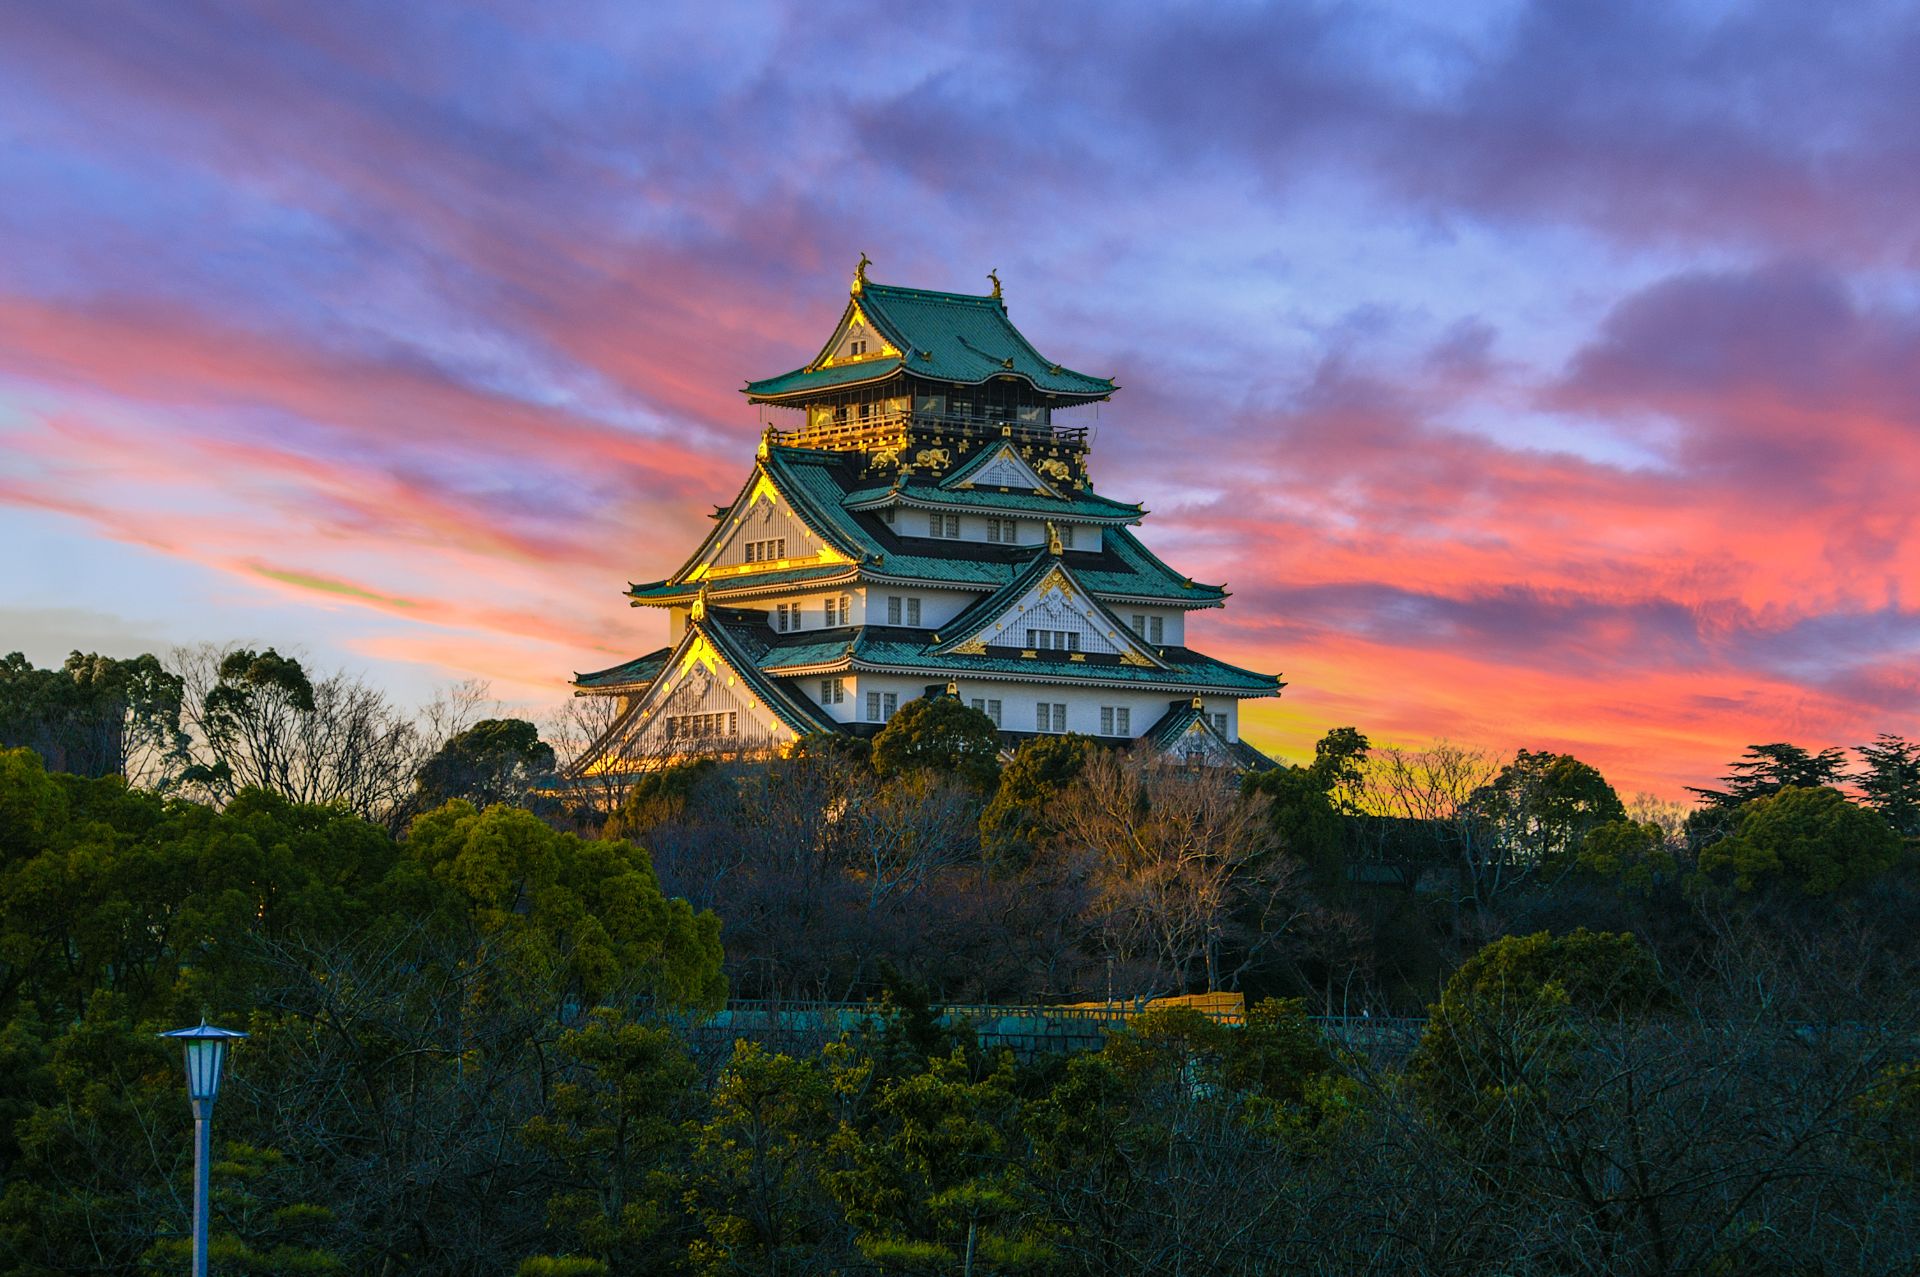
[[206, 1048], [205, 1058]]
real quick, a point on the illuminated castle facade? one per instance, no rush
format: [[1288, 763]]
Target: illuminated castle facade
[[925, 528]]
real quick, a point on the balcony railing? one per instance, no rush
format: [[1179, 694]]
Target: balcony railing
[[862, 431]]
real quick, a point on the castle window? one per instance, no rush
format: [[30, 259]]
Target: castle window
[[845, 604], [1004, 531], [893, 609], [1116, 720], [881, 706], [1156, 629], [857, 347], [1050, 718], [945, 526], [781, 615], [1219, 723], [766, 551], [702, 726], [913, 611], [1066, 536], [833, 691], [991, 708], [1053, 640]]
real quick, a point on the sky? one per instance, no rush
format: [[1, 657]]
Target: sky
[[1535, 375]]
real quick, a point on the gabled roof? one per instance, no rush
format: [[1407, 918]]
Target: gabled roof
[[966, 632], [955, 337], [1086, 507], [1004, 457], [1186, 725], [890, 649], [627, 675], [819, 485]]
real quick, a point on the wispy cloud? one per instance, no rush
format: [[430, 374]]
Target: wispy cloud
[[1535, 373]]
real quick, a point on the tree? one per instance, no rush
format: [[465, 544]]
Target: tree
[[1185, 868], [584, 919], [1541, 805], [757, 1162], [1423, 801], [1508, 1020], [1630, 857], [939, 734], [615, 1128], [497, 760], [95, 716], [1813, 840], [1891, 782], [1768, 769], [928, 1179], [1018, 820], [1310, 805], [262, 721]]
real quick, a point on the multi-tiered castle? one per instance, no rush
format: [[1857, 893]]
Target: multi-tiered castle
[[926, 528]]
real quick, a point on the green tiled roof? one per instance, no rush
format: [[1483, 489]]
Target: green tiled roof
[[1083, 505], [743, 649], [876, 647], [670, 592], [818, 485], [1182, 717], [957, 337], [638, 671], [975, 619]]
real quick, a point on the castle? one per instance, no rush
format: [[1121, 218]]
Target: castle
[[926, 528]]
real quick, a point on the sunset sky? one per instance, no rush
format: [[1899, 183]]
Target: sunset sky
[[1537, 376]]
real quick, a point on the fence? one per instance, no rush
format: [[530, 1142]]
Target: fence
[[1026, 1030]]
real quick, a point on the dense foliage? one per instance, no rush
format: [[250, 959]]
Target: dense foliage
[[1636, 1042]]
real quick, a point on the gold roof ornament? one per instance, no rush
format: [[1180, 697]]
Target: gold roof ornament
[[860, 275], [994, 275], [699, 609], [1053, 539]]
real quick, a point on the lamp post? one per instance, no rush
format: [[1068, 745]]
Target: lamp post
[[206, 1049]]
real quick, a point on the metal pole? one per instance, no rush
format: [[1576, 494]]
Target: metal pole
[[202, 1171]]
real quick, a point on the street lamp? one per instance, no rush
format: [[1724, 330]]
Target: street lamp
[[206, 1049]]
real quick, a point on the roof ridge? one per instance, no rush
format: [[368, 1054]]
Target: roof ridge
[[986, 298]]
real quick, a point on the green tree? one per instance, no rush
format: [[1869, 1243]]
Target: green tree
[[939, 734], [1311, 805], [1812, 840], [615, 1128], [757, 1162], [661, 795], [929, 1182], [1630, 857], [1502, 1036], [584, 918], [1765, 770], [95, 716], [497, 760], [1891, 782], [1542, 804], [1017, 822]]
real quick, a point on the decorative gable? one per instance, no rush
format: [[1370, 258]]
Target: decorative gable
[[1001, 466], [857, 340], [1200, 745], [699, 704], [762, 531], [1055, 613]]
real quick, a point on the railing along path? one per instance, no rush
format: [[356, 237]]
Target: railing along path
[[1026, 1030]]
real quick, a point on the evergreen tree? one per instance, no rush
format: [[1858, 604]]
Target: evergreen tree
[[1891, 782]]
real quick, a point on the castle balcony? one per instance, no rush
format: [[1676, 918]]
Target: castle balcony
[[850, 431]]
